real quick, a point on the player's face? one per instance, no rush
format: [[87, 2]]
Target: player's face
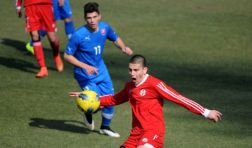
[[92, 20], [137, 72]]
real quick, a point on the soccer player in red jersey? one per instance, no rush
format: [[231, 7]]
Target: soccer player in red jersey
[[39, 13], [146, 94]]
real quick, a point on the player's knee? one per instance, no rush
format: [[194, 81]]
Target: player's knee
[[35, 37], [52, 37], [56, 41]]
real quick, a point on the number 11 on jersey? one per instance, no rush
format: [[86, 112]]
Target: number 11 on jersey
[[97, 50]]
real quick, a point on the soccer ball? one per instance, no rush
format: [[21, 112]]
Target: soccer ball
[[88, 101]]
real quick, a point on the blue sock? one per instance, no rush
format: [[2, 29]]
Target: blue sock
[[69, 29], [107, 115]]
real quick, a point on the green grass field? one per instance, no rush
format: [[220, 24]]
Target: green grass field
[[201, 48]]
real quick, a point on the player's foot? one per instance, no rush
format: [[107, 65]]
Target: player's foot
[[90, 126], [42, 73], [106, 130], [58, 63], [29, 48]]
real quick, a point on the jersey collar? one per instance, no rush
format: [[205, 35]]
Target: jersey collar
[[144, 79]]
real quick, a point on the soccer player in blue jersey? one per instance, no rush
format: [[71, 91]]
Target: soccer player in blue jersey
[[84, 50], [61, 11]]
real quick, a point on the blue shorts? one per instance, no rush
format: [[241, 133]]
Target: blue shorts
[[101, 84], [61, 12]]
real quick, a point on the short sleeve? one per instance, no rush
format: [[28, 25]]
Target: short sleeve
[[72, 45], [112, 36]]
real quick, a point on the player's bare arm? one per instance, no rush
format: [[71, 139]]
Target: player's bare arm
[[120, 44], [71, 59]]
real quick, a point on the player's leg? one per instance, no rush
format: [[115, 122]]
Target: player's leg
[[54, 42], [69, 27], [106, 88], [107, 115], [33, 25], [132, 140], [29, 45], [87, 85], [39, 54], [50, 26], [66, 15]]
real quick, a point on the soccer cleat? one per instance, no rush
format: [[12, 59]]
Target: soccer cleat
[[42, 73], [58, 63], [29, 48], [106, 130], [90, 126]]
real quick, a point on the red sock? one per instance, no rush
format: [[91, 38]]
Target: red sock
[[39, 53], [55, 47]]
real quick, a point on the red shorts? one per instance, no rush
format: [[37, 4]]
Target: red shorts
[[38, 16], [150, 138]]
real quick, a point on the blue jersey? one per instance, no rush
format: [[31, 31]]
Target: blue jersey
[[88, 47]]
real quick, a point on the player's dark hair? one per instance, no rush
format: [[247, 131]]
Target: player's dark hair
[[91, 7], [138, 59]]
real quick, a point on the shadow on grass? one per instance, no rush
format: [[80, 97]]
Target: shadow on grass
[[19, 45], [61, 125], [18, 64], [195, 76], [22, 64]]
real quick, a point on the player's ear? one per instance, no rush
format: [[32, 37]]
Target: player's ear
[[145, 70], [99, 16]]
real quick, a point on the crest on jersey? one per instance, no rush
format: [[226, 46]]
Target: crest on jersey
[[145, 139], [103, 31], [142, 92]]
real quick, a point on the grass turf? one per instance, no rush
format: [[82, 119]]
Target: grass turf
[[201, 48]]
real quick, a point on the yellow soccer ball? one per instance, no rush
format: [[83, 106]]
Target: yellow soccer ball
[[88, 101]]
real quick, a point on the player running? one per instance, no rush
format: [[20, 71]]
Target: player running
[[40, 13], [145, 94], [84, 51], [62, 11]]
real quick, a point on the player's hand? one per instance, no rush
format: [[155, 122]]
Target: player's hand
[[61, 3], [91, 70], [214, 115], [74, 94], [127, 51], [19, 12]]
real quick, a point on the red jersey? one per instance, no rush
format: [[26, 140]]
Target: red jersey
[[146, 100], [32, 2]]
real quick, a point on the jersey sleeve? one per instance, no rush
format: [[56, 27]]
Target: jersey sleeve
[[170, 94], [72, 45], [117, 99], [112, 36]]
